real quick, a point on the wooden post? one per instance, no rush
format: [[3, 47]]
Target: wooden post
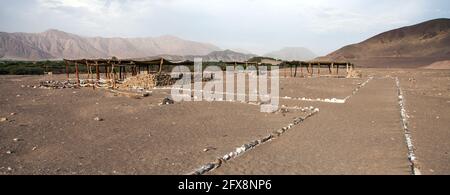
[[106, 72], [290, 67], [337, 69], [301, 69], [330, 68], [346, 66], [67, 69], [318, 68], [77, 75], [87, 69], [148, 69], [97, 70], [120, 72], [295, 72], [124, 72], [312, 68], [113, 73], [161, 64]]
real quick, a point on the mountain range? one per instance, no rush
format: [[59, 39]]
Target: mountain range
[[55, 44]]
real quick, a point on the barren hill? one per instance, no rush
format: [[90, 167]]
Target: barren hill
[[410, 46], [55, 44]]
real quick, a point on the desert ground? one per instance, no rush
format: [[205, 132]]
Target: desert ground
[[94, 131]]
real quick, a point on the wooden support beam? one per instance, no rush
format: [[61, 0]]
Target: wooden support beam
[[161, 64], [113, 72], [120, 72], [124, 72], [77, 74], [148, 69], [106, 72], [307, 68], [87, 68], [301, 69], [290, 68], [67, 69], [318, 69], [97, 70], [295, 72]]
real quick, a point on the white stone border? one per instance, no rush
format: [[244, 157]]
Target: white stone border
[[250, 145], [404, 121]]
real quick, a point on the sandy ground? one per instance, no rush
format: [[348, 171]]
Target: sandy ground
[[54, 131]]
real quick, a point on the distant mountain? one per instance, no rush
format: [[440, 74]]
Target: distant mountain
[[410, 46], [215, 56], [55, 44], [226, 56], [292, 53]]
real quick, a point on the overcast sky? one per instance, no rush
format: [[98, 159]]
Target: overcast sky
[[258, 26]]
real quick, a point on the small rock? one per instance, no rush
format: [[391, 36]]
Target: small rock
[[168, 101], [3, 119], [208, 149], [17, 139], [9, 152], [437, 117], [98, 119], [218, 162], [22, 86], [12, 113], [34, 148], [18, 95], [9, 169]]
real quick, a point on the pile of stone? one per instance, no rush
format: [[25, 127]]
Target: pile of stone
[[164, 80], [147, 81], [143, 81], [354, 74], [52, 84]]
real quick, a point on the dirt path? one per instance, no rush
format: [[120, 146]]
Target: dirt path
[[363, 136]]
